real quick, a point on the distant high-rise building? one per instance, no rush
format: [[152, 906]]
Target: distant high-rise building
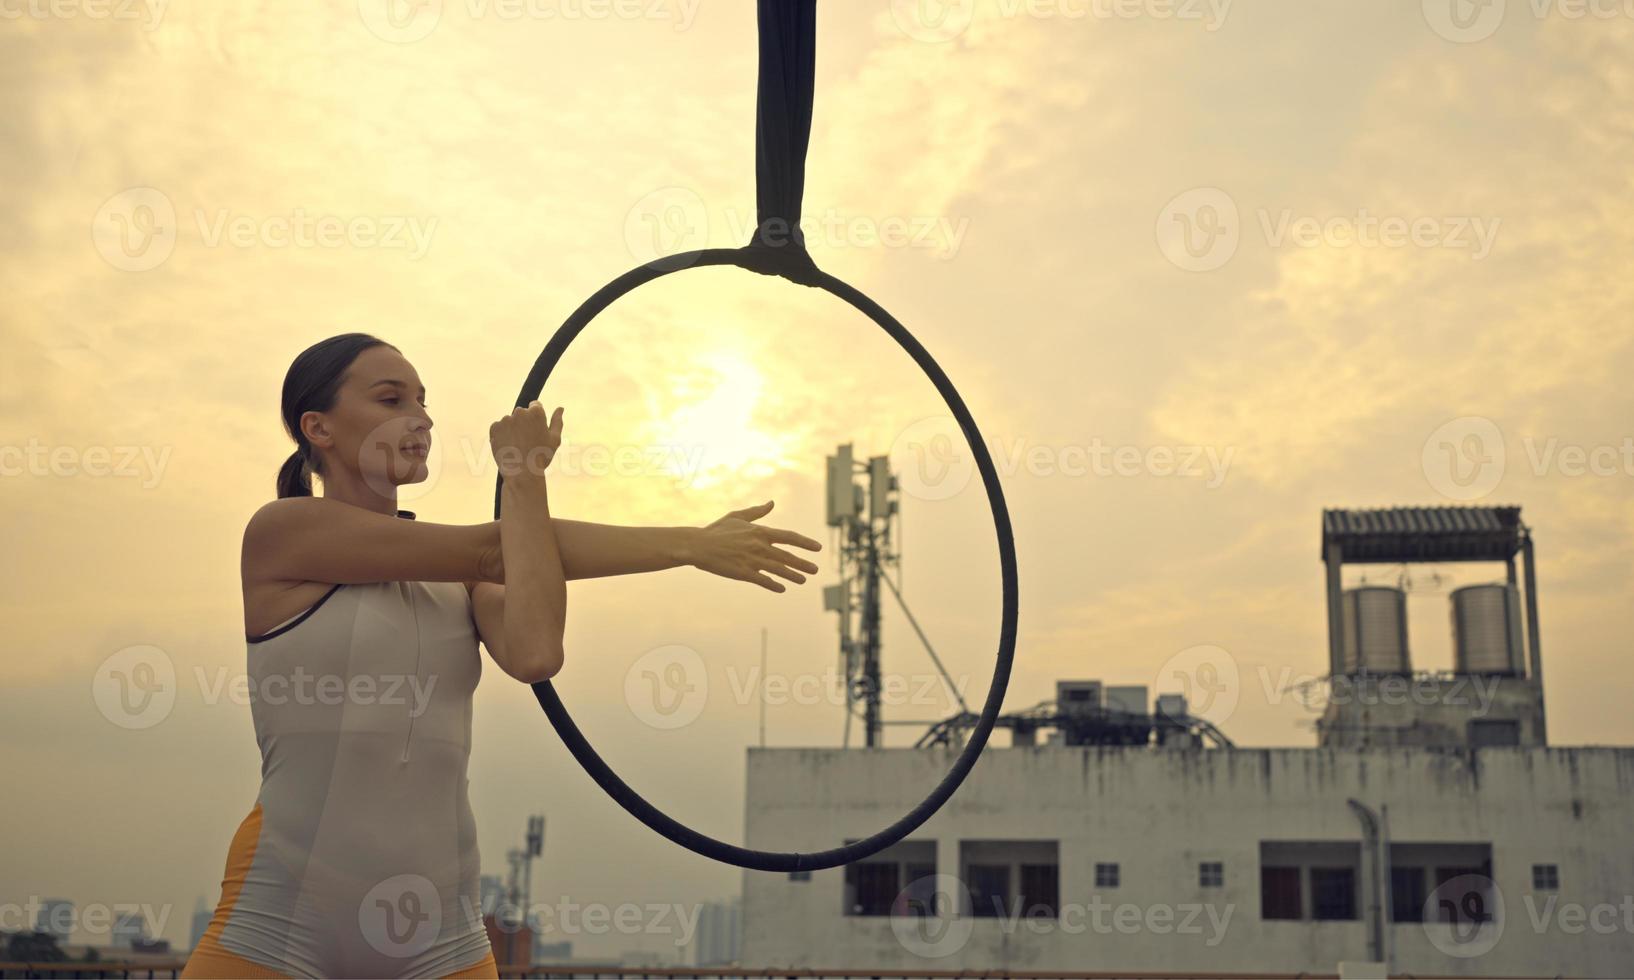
[[493, 892], [201, 922], [552, 952], [55, 917], [128, 929], [720, 932]]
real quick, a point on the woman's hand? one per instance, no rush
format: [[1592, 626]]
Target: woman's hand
[[524, 442], [732, 547]]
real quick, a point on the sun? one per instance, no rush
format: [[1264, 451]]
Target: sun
[[704, 417]]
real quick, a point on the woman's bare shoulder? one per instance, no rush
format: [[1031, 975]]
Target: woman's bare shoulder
[[301, 539]]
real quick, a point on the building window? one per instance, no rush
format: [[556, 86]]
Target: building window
[[1419, 869], [1407, 894], [1546, 877], [1106, 876], [1279, 893], [1040, 885], [885, 884], [1333, 893], [989, 886], [1490, 733], [919, 895], [1468, 906], [1011, 878], [873, 887], [1211, 874]]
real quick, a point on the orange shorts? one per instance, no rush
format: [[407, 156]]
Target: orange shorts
[[212, 961]]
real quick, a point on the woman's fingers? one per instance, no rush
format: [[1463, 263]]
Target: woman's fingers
[[793, 561], [782, 536], [750, 513], [762, 580], [782, 572]]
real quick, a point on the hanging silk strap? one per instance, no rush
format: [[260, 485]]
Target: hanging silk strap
[[788, 67]]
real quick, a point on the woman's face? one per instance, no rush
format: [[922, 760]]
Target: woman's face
[[378, 426]]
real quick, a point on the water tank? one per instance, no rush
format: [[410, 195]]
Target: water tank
[[1128, 698], [1171, 708], [1374, 637], [1486, 629], [1078, 697]]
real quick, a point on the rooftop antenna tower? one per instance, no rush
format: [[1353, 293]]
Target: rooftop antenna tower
[[869, 544]]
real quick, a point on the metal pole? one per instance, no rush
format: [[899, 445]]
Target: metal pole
[[527, 903], [871, 642], [1533, 643], [1333, 560], [763, 687], [1390, 891], [1370, 838]]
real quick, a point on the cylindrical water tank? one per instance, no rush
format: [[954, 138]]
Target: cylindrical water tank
[[1486, 629], [1375, 630]]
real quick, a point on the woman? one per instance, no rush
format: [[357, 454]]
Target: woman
[[359, 857]]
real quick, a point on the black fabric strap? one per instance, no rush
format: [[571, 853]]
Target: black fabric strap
[[788, 69]]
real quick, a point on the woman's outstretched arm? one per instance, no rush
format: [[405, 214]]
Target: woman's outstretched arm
[[596, 550], [590, 550], [731, 547]]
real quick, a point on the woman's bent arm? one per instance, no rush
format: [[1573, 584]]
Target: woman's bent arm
[[535, 586]]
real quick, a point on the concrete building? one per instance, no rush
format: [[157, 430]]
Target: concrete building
[[1161, 860], [202, 914], [1431, 831], [129, 929], [720, 933], [55, 917], [491, 892]]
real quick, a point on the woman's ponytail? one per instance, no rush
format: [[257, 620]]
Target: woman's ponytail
[[292, 477]]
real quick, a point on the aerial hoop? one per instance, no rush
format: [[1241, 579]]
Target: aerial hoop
[[783, 124]]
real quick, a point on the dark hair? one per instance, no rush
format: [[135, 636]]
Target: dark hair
[[310, 385]]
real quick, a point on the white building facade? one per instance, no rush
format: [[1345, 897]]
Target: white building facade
[[719, 937], [1144, 859]]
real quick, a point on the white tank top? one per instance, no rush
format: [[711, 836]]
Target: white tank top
[[366, 862]]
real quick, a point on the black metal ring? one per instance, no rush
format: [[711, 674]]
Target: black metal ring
[[776, 262]]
